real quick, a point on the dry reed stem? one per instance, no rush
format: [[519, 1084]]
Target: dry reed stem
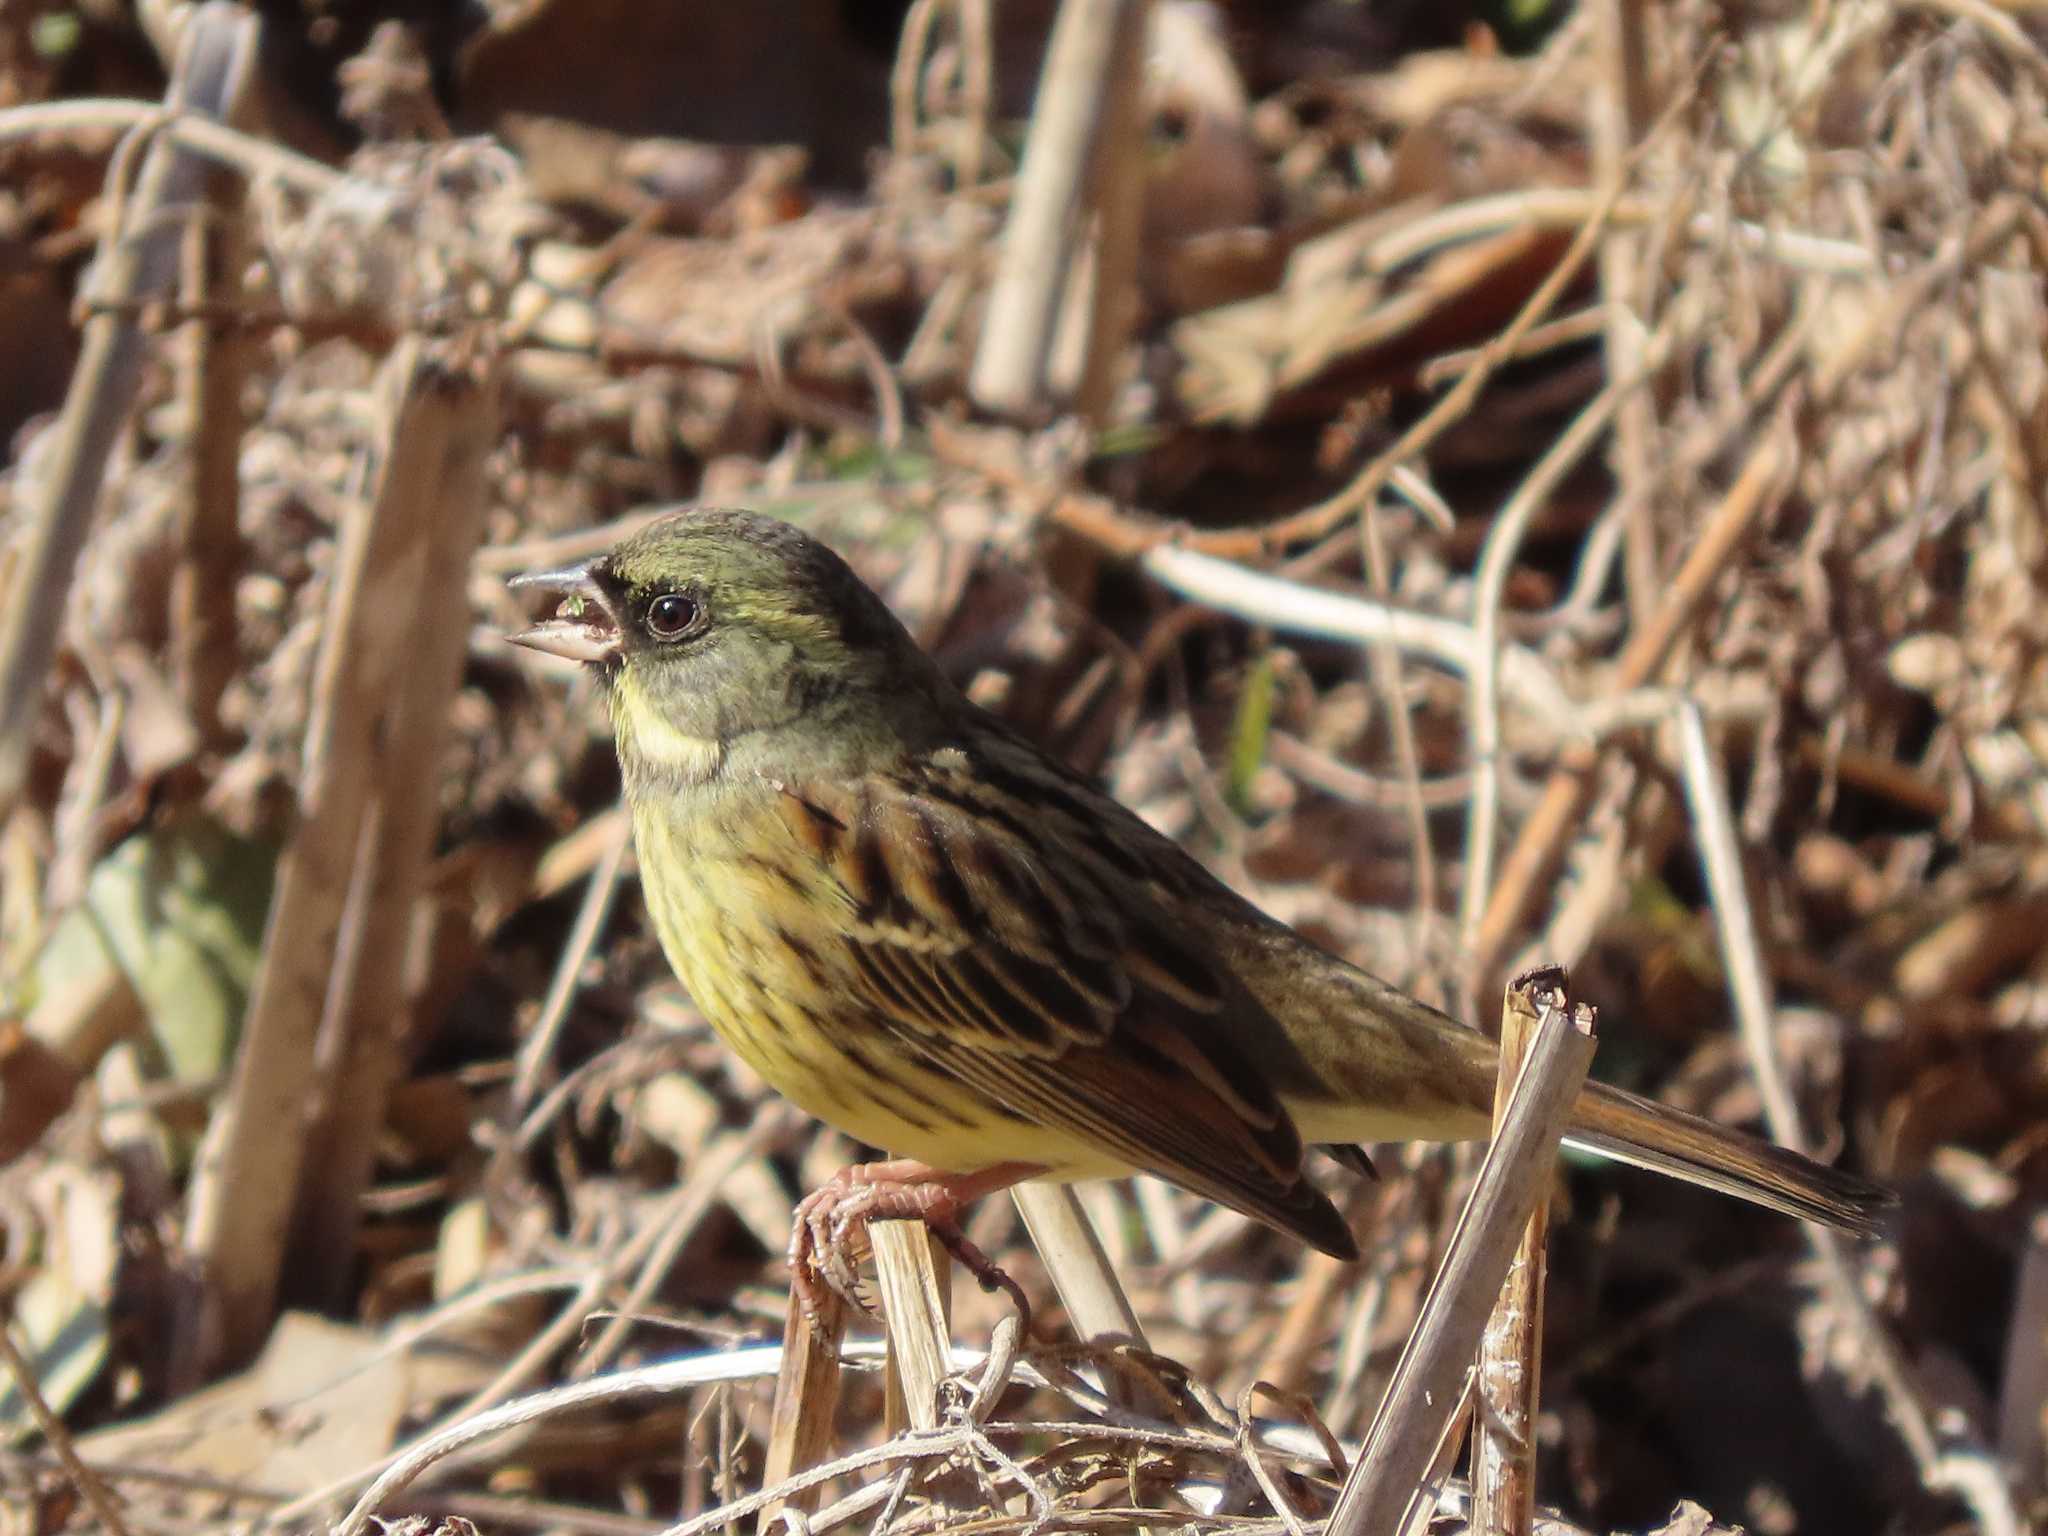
[[913, 1280], [138, 263], [1618, 111], [249, 1177], [204, 652], [1072, 1253], [1011, 365], [1116, 196], [442, 497], [806, 1406], [1428, 1381], [1509, 1380]]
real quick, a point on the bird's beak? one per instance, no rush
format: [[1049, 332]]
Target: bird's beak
[[584, 628]]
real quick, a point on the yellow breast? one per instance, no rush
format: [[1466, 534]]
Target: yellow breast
[[721, 892]]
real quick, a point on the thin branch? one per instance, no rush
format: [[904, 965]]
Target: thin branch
[[1489, 591], [186, 128], [1756, 491], [88, 1483], [537, 1049], [1303, 610], [1965, 1470]]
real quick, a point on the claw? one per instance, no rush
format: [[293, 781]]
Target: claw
[[829, 1235], [824, 1248]]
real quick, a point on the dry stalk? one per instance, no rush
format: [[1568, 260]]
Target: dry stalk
[[1011, 366], [204, 649], [1071, 1249], [1618, 112], [1428, 1381], [913, 1277], [806, 1403], [1543, 837], [1116, 193], [138, 263], [1080, 1270], [537, 1048], [2023, 1406], [249, 1177], [440, 492], [1511, 1350], [1964, 1470]]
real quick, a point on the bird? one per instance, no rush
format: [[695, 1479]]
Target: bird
[[922, 929]]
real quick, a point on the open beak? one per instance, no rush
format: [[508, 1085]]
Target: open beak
[[584, 628]]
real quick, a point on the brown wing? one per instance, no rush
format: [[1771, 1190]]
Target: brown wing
[[1012, 927]]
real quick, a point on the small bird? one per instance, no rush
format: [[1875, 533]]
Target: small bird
[[925, 931]]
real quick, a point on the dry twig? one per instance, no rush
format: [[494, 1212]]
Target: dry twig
[[1967, 1471], [1428, 1382]]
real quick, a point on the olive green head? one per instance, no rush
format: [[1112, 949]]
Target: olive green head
[[716, 628]]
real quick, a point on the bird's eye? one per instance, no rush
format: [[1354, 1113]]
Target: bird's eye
[[670, 616]]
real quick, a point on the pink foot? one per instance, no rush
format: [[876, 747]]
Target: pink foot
[[830, 1237]]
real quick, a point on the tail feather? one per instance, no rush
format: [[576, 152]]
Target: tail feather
[[1619, 1125]]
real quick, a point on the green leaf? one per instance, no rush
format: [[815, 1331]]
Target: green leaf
[[180, 909], [56, 35], [1127, 439], [59, 1314], [1249, 731]]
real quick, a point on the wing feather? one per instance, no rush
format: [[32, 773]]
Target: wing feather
[[997, 943]]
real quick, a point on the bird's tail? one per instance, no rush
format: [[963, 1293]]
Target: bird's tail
[[1619, 1125]]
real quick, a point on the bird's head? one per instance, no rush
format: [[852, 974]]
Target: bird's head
[[726, 638]]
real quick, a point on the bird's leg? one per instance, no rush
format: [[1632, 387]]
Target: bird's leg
[[830, 1231]]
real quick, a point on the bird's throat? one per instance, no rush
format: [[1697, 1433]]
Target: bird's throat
[[650, 746]]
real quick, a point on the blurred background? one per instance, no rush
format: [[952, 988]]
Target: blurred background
[[1349, 430]]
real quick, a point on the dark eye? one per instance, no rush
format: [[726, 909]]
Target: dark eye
[[670, 615]]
